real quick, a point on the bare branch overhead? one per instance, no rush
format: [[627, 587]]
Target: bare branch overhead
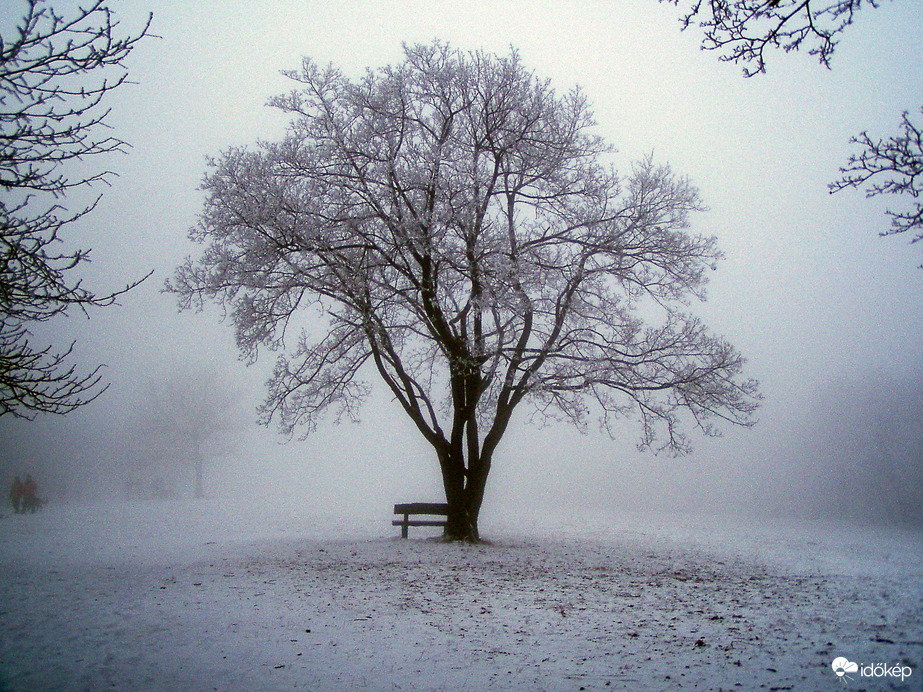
[[55, 72]]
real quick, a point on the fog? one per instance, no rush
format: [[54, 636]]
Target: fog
[[826, 312]]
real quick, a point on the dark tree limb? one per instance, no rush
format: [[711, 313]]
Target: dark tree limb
[[55, 72], [892, 166], [454, 220], [741, 31]]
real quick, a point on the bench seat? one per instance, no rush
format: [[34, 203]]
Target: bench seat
[[418, 522], [419, 508]]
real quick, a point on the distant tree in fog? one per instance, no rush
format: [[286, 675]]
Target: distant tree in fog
[[189, 418], [868, 437], [55, 72], [452, 223]]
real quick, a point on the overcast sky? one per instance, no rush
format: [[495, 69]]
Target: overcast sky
[[826, 312]]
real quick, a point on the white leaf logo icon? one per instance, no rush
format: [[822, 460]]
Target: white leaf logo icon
[[842, 665]]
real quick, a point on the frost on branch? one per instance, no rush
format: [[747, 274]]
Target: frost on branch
[[56, 70], [742, 30], [451, 225], [892, 166]]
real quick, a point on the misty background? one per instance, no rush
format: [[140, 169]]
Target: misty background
[[826, 312]]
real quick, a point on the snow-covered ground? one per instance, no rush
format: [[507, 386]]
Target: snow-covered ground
[[208, 595]]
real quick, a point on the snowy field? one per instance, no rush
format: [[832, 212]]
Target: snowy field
[[206, 596]]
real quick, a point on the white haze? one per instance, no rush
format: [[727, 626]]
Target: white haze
[[827, 313]]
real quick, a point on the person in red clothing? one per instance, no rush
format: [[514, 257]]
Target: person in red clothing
[[16, 491]]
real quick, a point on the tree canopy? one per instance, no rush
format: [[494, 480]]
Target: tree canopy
[[892, 166], [741, 31], [455, 224], [55, 72]]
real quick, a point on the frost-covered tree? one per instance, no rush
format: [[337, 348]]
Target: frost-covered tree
[[741, 31], [55, 72], [892, 166], [453, 222]]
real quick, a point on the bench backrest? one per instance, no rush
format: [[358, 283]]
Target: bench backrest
[[422, 508]]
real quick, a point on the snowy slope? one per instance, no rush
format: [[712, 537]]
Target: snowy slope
[[202, 596]]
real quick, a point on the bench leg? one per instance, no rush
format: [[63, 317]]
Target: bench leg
[[404, 526]]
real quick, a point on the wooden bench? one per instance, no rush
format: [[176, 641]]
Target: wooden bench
[[419, 508]]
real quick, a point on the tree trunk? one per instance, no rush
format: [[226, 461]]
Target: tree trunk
[[461, 525], [464, 491], [462, 519]]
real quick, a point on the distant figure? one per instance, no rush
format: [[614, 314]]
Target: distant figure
[[30, 499], [16, 493]]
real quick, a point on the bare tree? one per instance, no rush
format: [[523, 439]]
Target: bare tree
[[741, 30], [55, 72], [896, 165], [188, 420], [868, 438], [452, 221]]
